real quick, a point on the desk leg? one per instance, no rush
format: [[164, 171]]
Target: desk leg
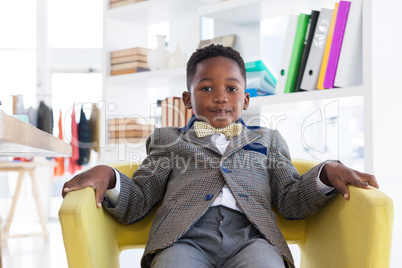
[[39, 205], [14, 204]]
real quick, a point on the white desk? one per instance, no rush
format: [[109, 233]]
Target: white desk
[[20, 139]]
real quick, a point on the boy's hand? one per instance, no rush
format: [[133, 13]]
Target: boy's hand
[[338, 176], [100, 178]]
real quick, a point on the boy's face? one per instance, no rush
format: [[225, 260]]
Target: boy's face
[[217, 92]]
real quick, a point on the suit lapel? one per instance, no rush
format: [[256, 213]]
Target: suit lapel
[[246, 137], [204, 142]]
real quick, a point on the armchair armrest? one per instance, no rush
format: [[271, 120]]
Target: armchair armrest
[[350, 233], [89, 233]]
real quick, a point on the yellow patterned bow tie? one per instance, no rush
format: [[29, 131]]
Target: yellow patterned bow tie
[[203, 129]]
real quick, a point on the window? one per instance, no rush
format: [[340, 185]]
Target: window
[[17, 51]]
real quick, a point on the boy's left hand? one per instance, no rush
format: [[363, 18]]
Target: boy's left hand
[[337, 175]]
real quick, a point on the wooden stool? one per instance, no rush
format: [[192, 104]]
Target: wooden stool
[[21, 168]]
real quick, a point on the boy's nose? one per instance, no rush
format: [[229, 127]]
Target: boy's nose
[[220, 97]]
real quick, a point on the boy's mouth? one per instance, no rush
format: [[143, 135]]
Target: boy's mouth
[[221, 111]]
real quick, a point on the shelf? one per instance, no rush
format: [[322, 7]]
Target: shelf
[[162, 78], [241, 12], [298, 97], [154, 11]]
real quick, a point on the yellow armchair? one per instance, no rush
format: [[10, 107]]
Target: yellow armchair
[[345, 233]]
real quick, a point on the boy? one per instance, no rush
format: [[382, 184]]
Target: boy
[[217, 186]]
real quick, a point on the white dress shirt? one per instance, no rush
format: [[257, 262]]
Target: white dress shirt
[[225, 197]]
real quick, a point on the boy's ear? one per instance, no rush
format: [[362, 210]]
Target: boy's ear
[[187, 99], [246, 100]]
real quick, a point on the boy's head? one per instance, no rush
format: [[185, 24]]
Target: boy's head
[[209, 52], [216, 82]]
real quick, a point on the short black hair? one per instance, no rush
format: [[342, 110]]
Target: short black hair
[[211, 51]]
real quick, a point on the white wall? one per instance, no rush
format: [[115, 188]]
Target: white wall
[[387, 108]]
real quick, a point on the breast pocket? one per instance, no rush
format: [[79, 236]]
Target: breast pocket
[[256, 147]]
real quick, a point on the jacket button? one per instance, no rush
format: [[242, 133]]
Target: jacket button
[[208, 197], [225, 169]]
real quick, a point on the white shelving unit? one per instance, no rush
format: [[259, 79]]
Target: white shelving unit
[[127, 27]]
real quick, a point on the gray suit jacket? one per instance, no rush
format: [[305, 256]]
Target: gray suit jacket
[[186, 173]]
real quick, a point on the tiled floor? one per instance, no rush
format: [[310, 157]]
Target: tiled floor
[[34, 252]]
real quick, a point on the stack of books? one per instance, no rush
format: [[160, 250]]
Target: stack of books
[[323, 49], [260, 80], [129, 61], [129, 130], [174, 113], [120, 3]]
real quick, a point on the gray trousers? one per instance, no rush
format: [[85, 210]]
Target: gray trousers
[[221, 238]]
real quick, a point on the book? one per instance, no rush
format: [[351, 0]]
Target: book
[[308, 40], [129, 65], [164, 113], [130, 58], [129, 121], [130, 52], [137, 127], [183, 111], [259, 79], [129, 134], [114, 4], [122, 121], [174, 112], [314, 60], [127, 140], [339, 30], [189, 114], [297, 50], [286, 54], [258, 66], [324, 63], [170, 110], [123, 130], [350, 66], [129, 71]]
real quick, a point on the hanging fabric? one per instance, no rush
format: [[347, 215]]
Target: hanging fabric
[[59, 168], [73, 165], [45, 118], [84, 138], [94, 124]]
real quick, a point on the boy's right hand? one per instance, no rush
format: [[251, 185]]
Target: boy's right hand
[[101, 178]]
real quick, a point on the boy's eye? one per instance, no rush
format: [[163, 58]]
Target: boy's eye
[[232, 89], [206, 88]]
